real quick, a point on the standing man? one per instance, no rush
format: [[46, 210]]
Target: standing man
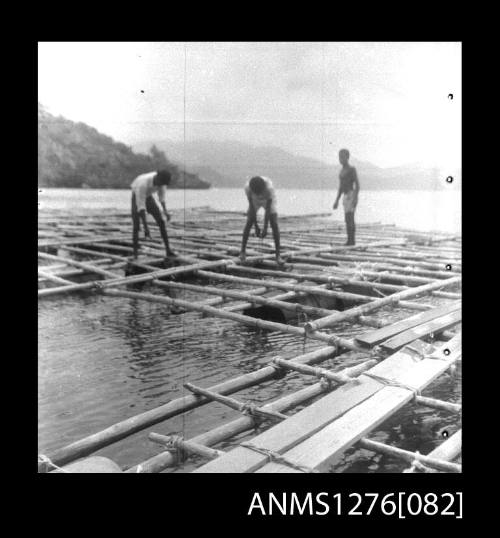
[[143, 188], [349, 187], [260, 193]]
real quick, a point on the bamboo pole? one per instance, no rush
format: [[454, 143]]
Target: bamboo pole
[[59, 269], [330, 339], [78, 241], [153, 275], [121, 281], [322, 261], [250, 298], [221, 300], [442, 251], [66, 289], [69, 272], [54, 278], [174, 442], [330, 279], [438, 404], [76, 287], [448, 451], [235, 404], [433, 255], [363, 320], [110, 246], [136, 423], [389, 260], [328, 231], [414, 272], [441, 465], [71, 286], [310, 370], [85, 286], [241, 306], [363, 246], [313, 290], [325, 279], [222, 293], [87, 266], [361, 270], [253, 259], [160, 462], [308, 251], [96, 253], [374, 305]]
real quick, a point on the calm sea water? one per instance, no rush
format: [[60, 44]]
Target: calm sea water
[[104, 359], [419, 210]]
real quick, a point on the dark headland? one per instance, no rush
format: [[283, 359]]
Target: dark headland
[[75, 155]]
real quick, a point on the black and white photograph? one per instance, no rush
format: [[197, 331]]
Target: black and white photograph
[[250, 259]]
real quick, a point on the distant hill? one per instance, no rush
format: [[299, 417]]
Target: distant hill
[[76, 155], [228, 164]]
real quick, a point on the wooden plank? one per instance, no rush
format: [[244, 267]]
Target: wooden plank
[[310, 420], [373, 338], [322, 450], [436, 325]]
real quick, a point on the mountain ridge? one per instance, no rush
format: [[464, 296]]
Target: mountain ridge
[[230, 163], [74, 154]]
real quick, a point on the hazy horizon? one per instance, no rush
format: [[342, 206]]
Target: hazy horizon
[[387, 102], [140, 146]]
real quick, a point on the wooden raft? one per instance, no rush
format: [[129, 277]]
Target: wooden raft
[[322, 285], [316, 436]]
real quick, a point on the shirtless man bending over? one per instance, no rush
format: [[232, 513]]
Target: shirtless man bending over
[[260, 193]]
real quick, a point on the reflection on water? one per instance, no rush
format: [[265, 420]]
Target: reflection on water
[[103, 359]]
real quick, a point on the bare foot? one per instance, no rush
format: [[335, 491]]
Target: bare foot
[[280, 260], [242, 256]]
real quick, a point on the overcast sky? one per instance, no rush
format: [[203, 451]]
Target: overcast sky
[[387, 102]]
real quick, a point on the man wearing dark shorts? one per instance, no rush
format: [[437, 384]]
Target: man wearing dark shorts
[[349, 187], [143, 188]]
